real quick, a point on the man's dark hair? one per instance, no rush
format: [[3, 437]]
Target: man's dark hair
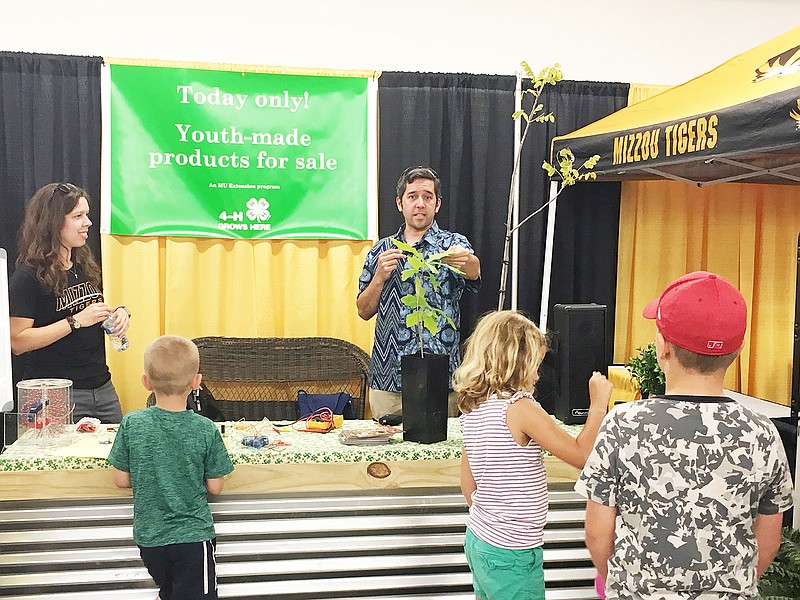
[[414, 173]]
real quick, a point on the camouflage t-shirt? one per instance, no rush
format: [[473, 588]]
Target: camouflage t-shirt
[[688, 476]]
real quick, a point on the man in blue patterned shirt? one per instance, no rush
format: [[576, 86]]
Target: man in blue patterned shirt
[[380, 289]]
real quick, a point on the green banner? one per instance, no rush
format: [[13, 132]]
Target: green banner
[[193, 152]]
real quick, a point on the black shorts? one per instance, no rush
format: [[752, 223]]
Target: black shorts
[[183, 571]]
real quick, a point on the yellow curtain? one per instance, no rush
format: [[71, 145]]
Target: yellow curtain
[[198, 287], [745, 232]]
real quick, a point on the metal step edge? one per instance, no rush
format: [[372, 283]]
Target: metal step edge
[[125, 534], [582, 593], [102, 510], [327, 505], [581, 577], [226, 552], [149, 593], [226, 549], [554, 561], [365, 584], [281, 526], [90, 518], [555, 491]]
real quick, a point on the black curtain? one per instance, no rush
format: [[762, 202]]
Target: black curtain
[[50, 131], [584, 268], [461, 126]]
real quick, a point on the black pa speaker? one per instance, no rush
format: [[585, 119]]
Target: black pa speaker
[[582, 348]]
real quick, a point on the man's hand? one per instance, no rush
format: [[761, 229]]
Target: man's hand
[[463, 260], [458, 257], [387, 262], [368, 300]]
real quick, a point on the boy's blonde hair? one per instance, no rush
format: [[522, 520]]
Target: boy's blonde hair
[[170, 363], [503, 354]]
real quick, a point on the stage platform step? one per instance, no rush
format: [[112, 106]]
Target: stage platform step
[[398, 544]]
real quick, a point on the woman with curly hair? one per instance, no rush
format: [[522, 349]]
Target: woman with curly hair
[[502, 473], [56, 302]]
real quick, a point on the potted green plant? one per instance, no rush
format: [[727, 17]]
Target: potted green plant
[[646, 371], [425, 375], [781, 580]]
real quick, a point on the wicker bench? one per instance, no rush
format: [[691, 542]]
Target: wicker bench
[[253, 378]]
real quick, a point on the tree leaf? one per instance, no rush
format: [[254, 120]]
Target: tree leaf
[[590, 162], [416, 262], [408, 249], [437, 256], [410, 300], [430, 323]]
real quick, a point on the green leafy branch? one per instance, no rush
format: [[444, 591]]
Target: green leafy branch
[[422, 314], [547, 76], [566, 171]]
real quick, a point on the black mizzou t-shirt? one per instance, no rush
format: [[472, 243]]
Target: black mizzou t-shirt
[[80, 355]]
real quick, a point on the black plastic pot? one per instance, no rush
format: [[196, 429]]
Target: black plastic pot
[[425, 390]]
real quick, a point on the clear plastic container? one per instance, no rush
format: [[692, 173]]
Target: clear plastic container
[[118, 342], [45, 409]]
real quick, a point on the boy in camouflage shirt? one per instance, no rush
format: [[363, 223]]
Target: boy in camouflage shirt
[[698, 481]]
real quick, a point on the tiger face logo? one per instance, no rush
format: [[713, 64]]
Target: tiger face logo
[[783, 64], [795, 114]]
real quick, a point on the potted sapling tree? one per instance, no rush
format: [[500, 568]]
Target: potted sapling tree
[[425, 375], [563, 172]]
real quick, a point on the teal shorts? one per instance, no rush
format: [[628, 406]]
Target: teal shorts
[[500, 574]]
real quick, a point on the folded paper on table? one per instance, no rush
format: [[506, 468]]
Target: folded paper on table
[[85, 447], [368, 437]]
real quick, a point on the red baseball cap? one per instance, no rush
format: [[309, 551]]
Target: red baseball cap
[[701, 312]]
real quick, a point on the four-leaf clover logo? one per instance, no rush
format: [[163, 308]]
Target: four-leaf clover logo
[[258, 209]]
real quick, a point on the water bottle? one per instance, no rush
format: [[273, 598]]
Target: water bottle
[[118, 342]]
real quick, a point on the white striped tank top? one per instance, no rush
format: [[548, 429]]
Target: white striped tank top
[[509, 506]]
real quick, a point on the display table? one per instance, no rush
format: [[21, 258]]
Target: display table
[[77, 467]]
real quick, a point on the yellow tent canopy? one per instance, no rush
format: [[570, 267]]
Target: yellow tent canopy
[[738, 122]]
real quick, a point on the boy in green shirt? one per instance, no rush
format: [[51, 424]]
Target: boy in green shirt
[[171, 457]]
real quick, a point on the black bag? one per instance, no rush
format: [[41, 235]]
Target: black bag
[[203, 403], [340, 403]]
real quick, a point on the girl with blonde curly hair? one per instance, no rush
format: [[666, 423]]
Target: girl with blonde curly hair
[[502, 473]]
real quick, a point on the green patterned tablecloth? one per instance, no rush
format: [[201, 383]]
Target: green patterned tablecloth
[[88, 450]]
